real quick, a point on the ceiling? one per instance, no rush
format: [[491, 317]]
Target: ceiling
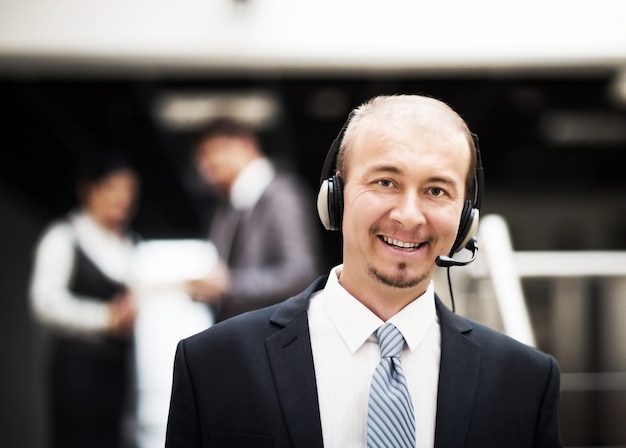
[[280, 36]]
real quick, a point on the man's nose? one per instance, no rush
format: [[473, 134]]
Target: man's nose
[[408, 210]]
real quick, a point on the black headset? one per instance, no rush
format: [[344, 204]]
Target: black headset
[[330, 200]]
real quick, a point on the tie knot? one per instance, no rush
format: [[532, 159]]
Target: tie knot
[[390, 340]]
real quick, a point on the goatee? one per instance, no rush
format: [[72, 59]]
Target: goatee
[[398, 280]]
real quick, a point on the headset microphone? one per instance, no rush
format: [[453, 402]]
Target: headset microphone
[[446, 262]]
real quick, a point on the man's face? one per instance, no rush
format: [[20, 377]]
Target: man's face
[[219, 161], [403, 198]]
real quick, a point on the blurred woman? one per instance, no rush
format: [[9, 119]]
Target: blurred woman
[[78, 292]]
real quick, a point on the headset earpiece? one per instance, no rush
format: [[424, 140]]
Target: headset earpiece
[[336, 205], [330, 196], [322, 204], [330, 203], [468, 227]]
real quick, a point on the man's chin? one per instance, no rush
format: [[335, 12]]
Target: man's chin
[[400, 279]]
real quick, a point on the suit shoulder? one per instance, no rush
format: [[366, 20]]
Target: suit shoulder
[[501, 346], [290, 184], [239, 326], [506, 346], [251, 328]]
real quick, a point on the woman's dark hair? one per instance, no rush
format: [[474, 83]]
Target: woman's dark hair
[[96, 166]]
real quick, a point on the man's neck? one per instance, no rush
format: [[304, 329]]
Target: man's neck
[[383, 300]]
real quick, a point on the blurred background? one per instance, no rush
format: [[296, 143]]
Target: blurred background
[[543, 84]]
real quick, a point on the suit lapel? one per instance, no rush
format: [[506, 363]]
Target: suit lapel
[[458, 378], [291, 360]]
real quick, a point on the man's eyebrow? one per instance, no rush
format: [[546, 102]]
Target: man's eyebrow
[[385, 169], [442, 179]]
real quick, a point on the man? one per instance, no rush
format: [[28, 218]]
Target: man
[[299, 374], [263, 226]]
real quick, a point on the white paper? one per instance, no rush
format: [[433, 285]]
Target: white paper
[[167, 314]]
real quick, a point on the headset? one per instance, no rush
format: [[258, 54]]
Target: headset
[[330, 203]]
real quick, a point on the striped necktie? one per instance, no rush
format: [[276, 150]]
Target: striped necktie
[[390, 415]]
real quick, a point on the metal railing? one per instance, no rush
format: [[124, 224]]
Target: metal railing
[[579, 315]]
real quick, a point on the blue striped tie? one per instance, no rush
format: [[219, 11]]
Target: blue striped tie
[[390, 416]]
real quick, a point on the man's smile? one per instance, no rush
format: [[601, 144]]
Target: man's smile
[[409, 246]]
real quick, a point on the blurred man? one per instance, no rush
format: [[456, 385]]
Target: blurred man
[[263, 227]]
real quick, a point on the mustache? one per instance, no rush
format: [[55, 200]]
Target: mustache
[[412, 237]]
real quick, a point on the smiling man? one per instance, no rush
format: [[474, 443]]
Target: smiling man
[[319, 370], [404, 190]]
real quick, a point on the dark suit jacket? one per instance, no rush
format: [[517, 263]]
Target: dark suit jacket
[[250, 382]]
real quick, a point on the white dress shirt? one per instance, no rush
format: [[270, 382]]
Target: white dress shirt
[[251, 183], [346, 353]]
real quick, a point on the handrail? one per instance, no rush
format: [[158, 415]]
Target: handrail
[[500, 264], [541, 264]]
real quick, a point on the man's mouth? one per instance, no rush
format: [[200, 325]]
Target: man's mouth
[[400, 244]]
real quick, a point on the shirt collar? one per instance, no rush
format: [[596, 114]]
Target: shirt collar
[[356, 323], [251, 183]]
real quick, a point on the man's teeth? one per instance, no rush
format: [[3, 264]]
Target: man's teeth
[[399, 243]]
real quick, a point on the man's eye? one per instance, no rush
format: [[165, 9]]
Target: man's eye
[[385, 183], [436, 191]]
